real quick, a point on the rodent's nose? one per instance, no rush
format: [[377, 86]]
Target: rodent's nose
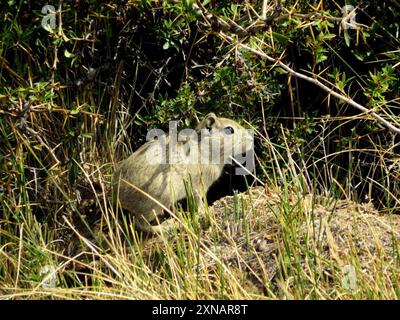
[[250, 142]]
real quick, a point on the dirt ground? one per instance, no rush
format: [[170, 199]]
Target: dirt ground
[[332, 231], [252, 230]]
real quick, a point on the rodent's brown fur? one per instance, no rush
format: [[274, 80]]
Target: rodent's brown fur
[[165, 182]]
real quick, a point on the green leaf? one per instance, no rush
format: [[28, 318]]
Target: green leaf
[[280, 37], [359, 55], [320, 58], [68, 54], [86, 135], [74, 110], [326, 36], [347, 38]]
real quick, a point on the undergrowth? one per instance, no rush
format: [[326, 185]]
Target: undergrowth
[[77, 99]]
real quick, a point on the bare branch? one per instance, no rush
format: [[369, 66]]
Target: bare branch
[[330, 91]]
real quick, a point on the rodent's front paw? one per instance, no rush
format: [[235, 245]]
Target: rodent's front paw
[[170, 227]]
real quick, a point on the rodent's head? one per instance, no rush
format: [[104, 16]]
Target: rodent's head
[[225, 137]]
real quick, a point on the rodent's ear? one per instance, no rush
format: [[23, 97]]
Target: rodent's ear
[[211, 119]]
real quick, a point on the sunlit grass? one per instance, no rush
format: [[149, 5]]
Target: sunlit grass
[[299, 232]]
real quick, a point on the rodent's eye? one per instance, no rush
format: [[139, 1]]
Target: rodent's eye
[[229, 130]]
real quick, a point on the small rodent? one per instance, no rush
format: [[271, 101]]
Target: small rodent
[[149, 177]]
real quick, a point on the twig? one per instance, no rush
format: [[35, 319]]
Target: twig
[[264, 9], [348, 100], [39, 138]]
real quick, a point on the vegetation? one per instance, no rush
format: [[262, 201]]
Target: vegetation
[[318, 82]]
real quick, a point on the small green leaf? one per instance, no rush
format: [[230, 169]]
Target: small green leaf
[[280, 37], [326, 36], [86, 135], [359, 55], [68, 54], [320, 58], [347, 38], [74, 110]]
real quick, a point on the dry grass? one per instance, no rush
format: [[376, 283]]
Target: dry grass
[[265, 243], [302, 235]]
